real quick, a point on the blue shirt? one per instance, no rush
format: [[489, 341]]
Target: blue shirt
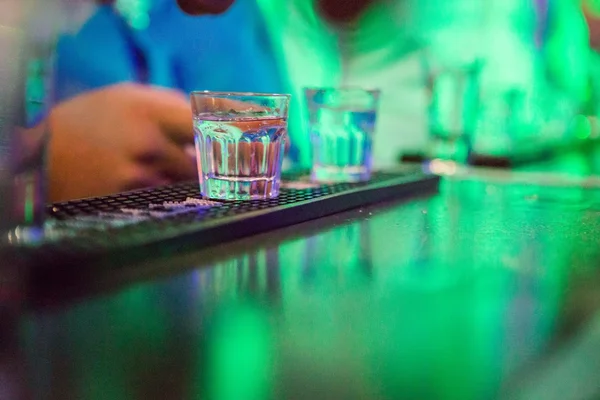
[[230, 52]]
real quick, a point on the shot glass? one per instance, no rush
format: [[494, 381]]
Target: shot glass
[[240, 140], [453, 106], [341, 125]]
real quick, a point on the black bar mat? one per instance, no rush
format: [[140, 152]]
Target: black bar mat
[[143, 222]]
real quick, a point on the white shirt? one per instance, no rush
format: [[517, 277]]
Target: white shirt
[[383, 52]]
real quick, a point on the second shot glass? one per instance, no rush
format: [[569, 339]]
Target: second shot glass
[[341, 124]]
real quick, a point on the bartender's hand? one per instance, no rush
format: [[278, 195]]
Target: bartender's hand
[[119, 138]]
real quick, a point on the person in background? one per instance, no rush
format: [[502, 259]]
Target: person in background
[[122, 136], [347, 46], [379, 44]]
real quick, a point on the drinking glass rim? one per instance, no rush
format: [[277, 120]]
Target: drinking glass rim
[[341, 89], [208, 93]]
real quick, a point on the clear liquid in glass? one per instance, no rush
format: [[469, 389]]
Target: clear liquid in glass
[[239, 158], [342, 143]]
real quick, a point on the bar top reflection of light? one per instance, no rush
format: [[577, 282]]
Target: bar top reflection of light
[[442, 167]]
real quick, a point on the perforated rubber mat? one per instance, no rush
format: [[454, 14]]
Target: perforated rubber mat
[[178, 215]]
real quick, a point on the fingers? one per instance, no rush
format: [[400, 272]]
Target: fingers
[[175, 163], [143, 179], [171, 111]]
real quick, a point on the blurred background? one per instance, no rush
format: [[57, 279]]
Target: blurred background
[[537, 67], [483, 82]]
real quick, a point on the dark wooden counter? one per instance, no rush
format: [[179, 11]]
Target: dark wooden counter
[[485, 290]]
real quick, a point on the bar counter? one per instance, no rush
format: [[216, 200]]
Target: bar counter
[[488, 289]]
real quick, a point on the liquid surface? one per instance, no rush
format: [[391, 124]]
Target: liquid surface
[[240, 158]]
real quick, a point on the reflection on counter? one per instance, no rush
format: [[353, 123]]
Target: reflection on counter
[[440, 298]]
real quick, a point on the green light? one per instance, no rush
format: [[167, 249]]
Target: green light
[[29, 202], [593, 7], [567, 50], [240, 357], [582, 127], [135, 12], [292, 33]]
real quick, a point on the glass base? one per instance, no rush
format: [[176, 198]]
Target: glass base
[[239, 188], [331, 173]]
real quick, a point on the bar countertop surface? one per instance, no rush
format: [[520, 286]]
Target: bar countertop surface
[[488, 289]]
